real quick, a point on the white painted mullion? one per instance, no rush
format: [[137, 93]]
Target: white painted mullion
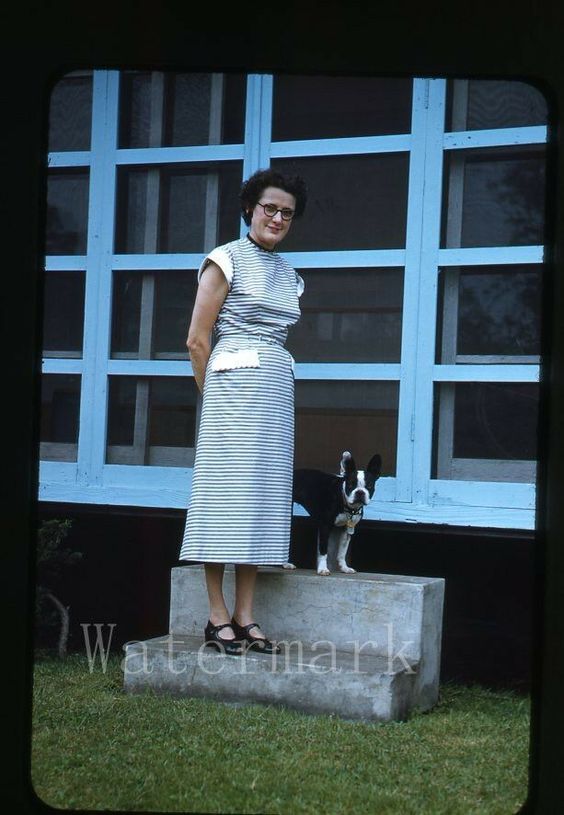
[[179, 155], [252, 130], [427, 311], [69, 158], [65, 263], [491, 255], [500, 137], [258, 127], [265, 122], [97, 311], [356, 145], [486, 373], [407, 406]]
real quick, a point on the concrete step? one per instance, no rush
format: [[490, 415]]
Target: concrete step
[[396, 617], [318, 679]]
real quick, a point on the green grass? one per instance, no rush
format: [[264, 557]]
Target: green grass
[[95, 747]]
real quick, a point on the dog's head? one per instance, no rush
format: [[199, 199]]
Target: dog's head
[[359, 485]]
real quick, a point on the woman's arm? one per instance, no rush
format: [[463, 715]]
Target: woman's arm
[[211, 293]]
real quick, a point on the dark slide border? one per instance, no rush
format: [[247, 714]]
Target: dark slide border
[[521, 39]]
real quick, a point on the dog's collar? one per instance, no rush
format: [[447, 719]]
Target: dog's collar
[[350, 511]]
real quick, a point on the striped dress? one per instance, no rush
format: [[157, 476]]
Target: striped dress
[[240, 506]]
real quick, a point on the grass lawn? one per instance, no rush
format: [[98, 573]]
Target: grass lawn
[[95, 747]]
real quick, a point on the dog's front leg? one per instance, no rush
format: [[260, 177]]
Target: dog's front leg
[[342, 550], [322, 544]]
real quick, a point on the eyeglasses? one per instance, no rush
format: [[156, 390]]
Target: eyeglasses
[[271, 210]]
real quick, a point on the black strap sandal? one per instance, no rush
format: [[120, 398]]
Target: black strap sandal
[[256, 643], [211, 637]]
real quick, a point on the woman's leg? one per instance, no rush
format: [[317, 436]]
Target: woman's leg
[[245, 578], [218, 609]]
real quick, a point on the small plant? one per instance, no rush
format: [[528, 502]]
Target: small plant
[[53, 559]]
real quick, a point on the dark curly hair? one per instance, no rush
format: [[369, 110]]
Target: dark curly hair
[[253, 187]]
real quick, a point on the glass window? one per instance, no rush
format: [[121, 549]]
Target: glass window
[[324, 107], [181, 109], [151, 312], [486, 431], [494, 197], [489, 311], [60, 409], [177, 208], [67, 212], [152, 421], [175, 293], [70, 113], [345, 415], [354, 202], [481, 104], [63, 314], [349, 315]]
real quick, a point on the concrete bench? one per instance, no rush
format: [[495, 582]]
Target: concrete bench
[[361, 646]]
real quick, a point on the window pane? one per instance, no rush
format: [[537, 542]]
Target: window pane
[[349, 315], [121, 409], [175, 293], [60, 406], [67, 212], [486, 431], [480, 104], [490, 310], [161, 326], [126, 312], [181, 109], [354, 202], [500, 194], [343, 415], [70, 114], [173, 412], [323, 107], [152, 420], [177, 208], [63, 313]]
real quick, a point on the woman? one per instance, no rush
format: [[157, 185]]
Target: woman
[[240, 506]]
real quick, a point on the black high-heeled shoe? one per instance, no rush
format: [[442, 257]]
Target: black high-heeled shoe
[[256, 643], [211, 637]]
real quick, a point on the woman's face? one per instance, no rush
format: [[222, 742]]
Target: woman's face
[[270, 230]]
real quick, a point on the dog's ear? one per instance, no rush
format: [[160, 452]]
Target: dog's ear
[[347, 463], [375, 465]]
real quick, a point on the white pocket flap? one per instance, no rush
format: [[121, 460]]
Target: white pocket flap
[[227, 360]]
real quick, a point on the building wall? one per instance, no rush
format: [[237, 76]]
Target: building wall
[[421, 248]]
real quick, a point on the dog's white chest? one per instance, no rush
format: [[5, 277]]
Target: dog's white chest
[[350, 521]]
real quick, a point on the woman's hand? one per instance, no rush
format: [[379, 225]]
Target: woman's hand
[[212, 291]]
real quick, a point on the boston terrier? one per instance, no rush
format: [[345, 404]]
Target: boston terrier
[[336, 503]]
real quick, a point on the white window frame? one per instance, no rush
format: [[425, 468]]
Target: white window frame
[[412, 495]]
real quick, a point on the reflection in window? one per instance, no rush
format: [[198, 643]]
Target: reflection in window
[[324, 107], [177, 208], [481, 104], [63, 314], [494, 197], [151, 421], [488, 433], [354, 202], [490, 311], [181, 109], [151, 312], [333, 416], [67, 212], [70, 113], [349, 315], [59, 420]]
